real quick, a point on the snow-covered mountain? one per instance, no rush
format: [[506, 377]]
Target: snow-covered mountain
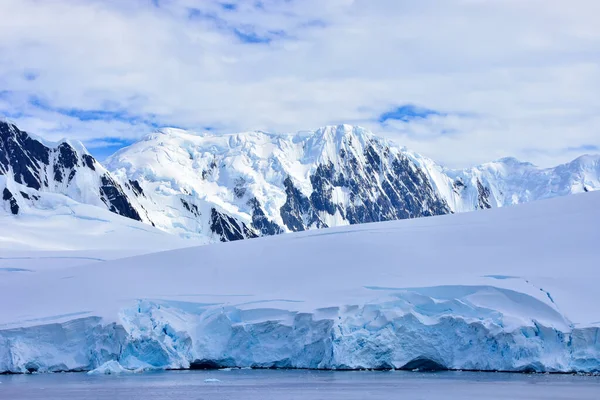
[[230, 187], [508, 182], [30, 166], [253, 184], [510, 289]]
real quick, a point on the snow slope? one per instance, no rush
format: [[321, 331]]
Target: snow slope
[[51, 221], [503, 289], [52, 231], [229, 187]]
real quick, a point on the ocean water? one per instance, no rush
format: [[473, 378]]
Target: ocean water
[[305, 385]]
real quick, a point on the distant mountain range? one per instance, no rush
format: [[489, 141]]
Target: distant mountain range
[[245, 185]]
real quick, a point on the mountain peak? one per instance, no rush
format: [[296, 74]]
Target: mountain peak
[[341, 130], [514, 162], [76, 145], [9, 128], [587, 159]]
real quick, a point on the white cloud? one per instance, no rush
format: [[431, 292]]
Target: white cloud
[[518, 77]]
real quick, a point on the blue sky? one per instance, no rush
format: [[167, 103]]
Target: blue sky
[[460, 81]]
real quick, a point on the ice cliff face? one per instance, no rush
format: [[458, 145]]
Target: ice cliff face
[[413, 330], [64, 168], [245, 185]]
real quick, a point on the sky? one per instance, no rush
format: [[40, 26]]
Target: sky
[[460, 81]]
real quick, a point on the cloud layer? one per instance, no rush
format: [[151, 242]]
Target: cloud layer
[[479, 79]]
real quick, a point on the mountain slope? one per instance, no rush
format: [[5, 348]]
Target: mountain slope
[[251, 184], [53, 222], [63, 168], [511, 289]]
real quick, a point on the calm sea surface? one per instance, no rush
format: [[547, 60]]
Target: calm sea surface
[[305, 385]]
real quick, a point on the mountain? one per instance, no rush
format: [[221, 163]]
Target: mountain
[[508, 182], [31, 166], [245, 185], [255, 184], [230, 187], [509, 289]]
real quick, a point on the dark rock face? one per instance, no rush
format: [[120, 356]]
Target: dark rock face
[[116, 200], [27, 161], [89, 161], [228, 228], [67, 157], [298, 213], [381, 187], [8, 196], [260, 222], [322, 185], [137, 189], [23, 155], [483, 196], [190, 207]]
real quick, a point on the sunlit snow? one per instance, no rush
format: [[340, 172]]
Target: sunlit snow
[[503, 289]]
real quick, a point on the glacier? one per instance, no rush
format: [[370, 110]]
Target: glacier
[[506, 289]]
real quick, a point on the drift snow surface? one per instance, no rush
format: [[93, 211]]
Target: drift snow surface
[[60, 232], [505, 289]]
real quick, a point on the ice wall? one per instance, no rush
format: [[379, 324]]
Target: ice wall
[[408, 330]]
